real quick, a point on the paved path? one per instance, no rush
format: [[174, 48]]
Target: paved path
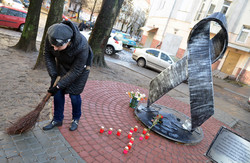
[[104, 103], [37, 146]]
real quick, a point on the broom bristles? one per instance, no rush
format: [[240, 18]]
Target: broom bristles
[[28, 121]]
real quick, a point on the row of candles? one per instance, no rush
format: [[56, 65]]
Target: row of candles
[[129, 146]]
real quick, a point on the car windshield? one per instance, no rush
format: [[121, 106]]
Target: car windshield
[[175, 59], [127, 37], [116, 38], [17, 1]]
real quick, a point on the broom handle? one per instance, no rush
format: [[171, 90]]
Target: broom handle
[[46, 98]]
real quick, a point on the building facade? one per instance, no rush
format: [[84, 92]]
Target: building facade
[[170, 22]]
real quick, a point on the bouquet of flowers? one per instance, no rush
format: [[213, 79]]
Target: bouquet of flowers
[[135, 97], [155, 120]]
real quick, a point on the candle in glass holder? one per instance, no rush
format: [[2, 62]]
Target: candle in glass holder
[[119, 132], [144, 131], [130, 135], [132, 140], [131, 130], [129, 146], [135, 128], [102, 129], [141, 137], [125, 151], [147, 136], [110, 131]]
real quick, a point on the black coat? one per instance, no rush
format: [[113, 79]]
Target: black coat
[[70, 63]]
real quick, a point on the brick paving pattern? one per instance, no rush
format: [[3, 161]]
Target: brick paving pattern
[[105, 103], [37, 146]]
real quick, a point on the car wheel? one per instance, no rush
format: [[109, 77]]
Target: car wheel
[[21, 27], [109, 50], [141, 62]]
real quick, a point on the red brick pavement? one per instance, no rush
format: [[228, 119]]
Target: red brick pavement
[[105, 103]]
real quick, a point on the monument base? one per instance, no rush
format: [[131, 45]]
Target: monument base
[[175, 126]]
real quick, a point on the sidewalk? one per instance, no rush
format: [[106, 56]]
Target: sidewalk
[[241, 91], [37, 146], [229, 113], [105, 104]]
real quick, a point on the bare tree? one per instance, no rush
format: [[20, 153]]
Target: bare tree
[[92, 11], [102, 29], [132, 22], [54, 16], [126, 12], [137, 21], [93, 5], [77, 5], [27, 41]]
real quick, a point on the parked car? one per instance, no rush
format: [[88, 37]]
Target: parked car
[[114, 44], [89, 24], [7, 2], [153, 58], [13, 3], [12, 17], [126, 39], [114, 31], [17, 4], [65, 17]]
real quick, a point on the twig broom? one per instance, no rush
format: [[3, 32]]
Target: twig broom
[[28, 121]]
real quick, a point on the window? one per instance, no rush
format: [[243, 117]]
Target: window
[[165, 58], [23, 14], [13, 13], [3, 10], [211, 9], [199, 14], [225, 7], [243, 34], [161, 5], [153, 52]]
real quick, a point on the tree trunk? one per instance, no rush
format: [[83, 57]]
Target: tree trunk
[[92, 12], [54, 16], [72, 15], [78, 14], [27, 41], [103, 26], [123, 23]]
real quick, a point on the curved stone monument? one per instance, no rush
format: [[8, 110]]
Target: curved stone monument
[[196, 68]]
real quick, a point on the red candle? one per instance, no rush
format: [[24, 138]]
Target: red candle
[[119, 132], [144, 131], [141, 137], [132, 140], [110, 131], [129, 146], [147, 136], [102, 129], [135, 128], [131, 130], [130, 135], [125, 151]]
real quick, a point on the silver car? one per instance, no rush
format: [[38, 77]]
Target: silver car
[[153, 58]]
